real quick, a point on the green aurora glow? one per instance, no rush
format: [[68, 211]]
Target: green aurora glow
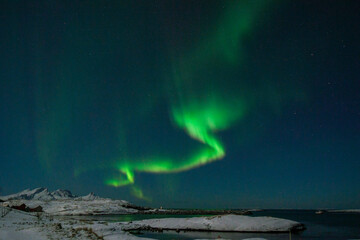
[[200, 114]]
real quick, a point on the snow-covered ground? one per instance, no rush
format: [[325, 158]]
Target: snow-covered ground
[[21, 225], [18, 225], [63, 202]]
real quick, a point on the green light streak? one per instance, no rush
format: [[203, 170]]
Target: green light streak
[[201, 126], [137, 192], [201, 113]]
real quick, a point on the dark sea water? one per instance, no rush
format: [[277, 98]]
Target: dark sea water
[[331, 226]]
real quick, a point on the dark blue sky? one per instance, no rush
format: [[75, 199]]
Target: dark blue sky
[[84, 86]]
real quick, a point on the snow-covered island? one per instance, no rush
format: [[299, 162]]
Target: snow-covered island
[[344, 211], [222, 223], [16, 224]]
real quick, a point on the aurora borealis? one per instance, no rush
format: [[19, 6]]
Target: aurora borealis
[[200, 114], [248, 103]]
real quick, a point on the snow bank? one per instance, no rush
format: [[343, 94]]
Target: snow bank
[[225, 223]]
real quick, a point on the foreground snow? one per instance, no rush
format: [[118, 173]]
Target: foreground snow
[[17, 225], [21, 225], [225, 223]]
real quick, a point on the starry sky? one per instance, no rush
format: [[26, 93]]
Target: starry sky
[[190, 104]]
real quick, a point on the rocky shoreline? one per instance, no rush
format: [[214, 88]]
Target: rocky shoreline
[[194, 212]]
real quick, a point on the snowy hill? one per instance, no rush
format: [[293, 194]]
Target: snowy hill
[[63, 202], [42, 194]]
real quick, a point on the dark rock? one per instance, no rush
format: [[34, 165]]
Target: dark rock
[[132, 206], [58, 226], [22, 207], [25, 208], [36, 209], [196, 212], [298, 228]]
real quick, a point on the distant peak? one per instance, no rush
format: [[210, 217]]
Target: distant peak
[[90, 196], [40, 189], [62, 194]]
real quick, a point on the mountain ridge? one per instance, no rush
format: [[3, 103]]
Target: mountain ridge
[[43, 194]]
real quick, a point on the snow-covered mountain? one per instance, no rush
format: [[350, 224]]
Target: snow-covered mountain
[[41, 194], [63, 202], [62, 194], [90, 197]]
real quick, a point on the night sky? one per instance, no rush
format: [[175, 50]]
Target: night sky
[[202, 104]]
